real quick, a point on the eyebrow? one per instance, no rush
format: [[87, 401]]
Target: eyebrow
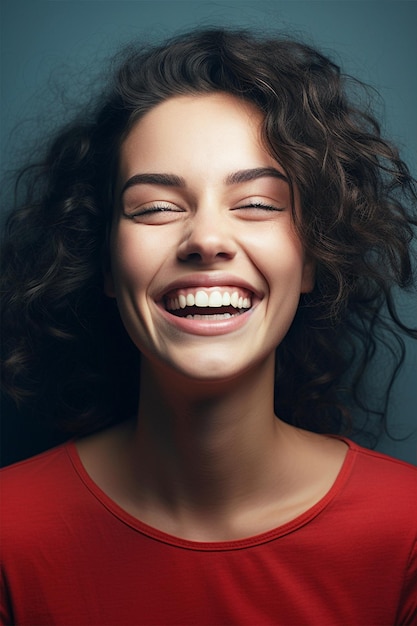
[[244, 176], [171, 180], [166, 180]]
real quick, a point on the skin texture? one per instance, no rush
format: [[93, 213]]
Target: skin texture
[[208, 233], [206, 458]]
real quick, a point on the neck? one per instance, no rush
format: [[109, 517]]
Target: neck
[[206, 445], [211, 462]]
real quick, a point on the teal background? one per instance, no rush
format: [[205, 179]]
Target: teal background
[[52, 52]]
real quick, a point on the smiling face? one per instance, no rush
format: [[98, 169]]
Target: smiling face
[[206, 266]]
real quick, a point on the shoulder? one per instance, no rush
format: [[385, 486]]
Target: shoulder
[[380, 487], [35, 487], [39, 471], [385, 470]]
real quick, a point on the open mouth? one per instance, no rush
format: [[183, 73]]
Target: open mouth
[[217, 303]]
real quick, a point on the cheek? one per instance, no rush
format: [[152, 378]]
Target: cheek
[[279, 256], [138, 259], [128, 264]]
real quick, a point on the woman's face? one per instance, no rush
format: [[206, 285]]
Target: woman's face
[[206, 266]]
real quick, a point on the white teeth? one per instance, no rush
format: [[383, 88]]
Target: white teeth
[[211, 299], [234, 299], [201, 299], [216, 316], [226, 299], [215, 299]]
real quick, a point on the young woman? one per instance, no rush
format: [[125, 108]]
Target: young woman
[[194, 284]]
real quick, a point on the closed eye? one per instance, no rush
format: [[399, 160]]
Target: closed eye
[[260, 206], [154, 213]]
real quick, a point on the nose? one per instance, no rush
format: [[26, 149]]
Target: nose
[[208, 239]]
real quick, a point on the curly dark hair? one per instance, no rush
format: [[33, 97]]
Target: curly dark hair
[[64, 346]]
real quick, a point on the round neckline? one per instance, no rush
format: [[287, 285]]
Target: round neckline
[[236, 544]]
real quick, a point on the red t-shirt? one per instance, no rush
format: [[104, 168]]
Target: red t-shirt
[[72, 557]]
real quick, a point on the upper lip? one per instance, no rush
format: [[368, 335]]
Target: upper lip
[[207, 280]]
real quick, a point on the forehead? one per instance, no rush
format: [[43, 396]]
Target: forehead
[[215, 129], [203, 107]]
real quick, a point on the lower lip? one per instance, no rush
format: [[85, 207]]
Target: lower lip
[[207, 328]]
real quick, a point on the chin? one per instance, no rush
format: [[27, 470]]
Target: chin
[[209, 371]]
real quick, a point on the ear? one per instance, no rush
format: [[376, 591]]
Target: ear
[[309, 276]]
